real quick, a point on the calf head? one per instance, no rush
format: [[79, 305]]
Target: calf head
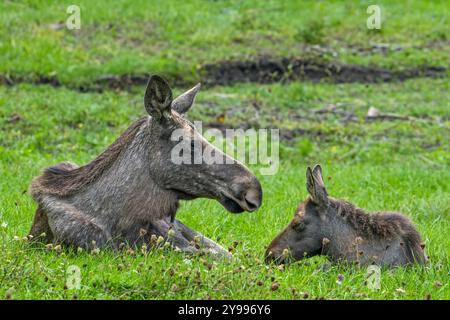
[[173, 138], [304, 235]]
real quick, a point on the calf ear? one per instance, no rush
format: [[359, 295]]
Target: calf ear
[[183, 102], [316, 187], [158, 98]]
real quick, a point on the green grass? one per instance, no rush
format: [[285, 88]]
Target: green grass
[[391, 165], [380, 165], [177, 38]]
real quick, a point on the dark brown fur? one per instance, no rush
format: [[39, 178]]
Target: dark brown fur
[[40, 228], [341, 231], [65, 179], [137, 182], [374, 224]]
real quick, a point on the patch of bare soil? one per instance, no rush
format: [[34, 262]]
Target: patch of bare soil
[[262, 70], [267, 70]]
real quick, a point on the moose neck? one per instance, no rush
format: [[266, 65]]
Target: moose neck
[[354, 233], [339, 233], [126, 192]]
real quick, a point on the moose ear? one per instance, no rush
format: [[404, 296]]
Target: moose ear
[[158, 98], [183, 102], [316, 187]]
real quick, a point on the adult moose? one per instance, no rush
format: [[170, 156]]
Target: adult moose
[[130, 193]]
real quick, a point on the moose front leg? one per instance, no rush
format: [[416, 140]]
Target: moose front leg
[[186, 239], [171, 234], [203, 242]]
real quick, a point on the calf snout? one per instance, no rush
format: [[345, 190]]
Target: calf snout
[[276, 254], [275, 257]]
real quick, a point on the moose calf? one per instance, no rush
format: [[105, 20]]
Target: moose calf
[[336, 228]]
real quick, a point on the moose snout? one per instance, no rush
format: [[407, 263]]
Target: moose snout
[[251, 194], [253, 198], [278, 250], [243, 195]]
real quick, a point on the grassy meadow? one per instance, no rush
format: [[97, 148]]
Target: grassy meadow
[[399, 163]]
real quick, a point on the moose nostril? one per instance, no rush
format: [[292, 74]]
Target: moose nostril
[[253, 199], [252, 203], [251, 206]]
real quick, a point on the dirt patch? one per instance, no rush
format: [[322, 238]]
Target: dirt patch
[[262, 70], [117, 82], [108, 82], [47, 80], [268, 70]]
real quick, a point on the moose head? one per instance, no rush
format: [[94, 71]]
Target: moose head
[[174, 138], [323, 225], [304, 235]]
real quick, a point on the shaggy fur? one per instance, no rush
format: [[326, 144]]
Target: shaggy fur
[[382, 226], [65, 178], [375, 224], [131, 191], [341, 231]]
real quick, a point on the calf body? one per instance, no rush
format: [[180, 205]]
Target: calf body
[[130, 193], [336, 228]]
